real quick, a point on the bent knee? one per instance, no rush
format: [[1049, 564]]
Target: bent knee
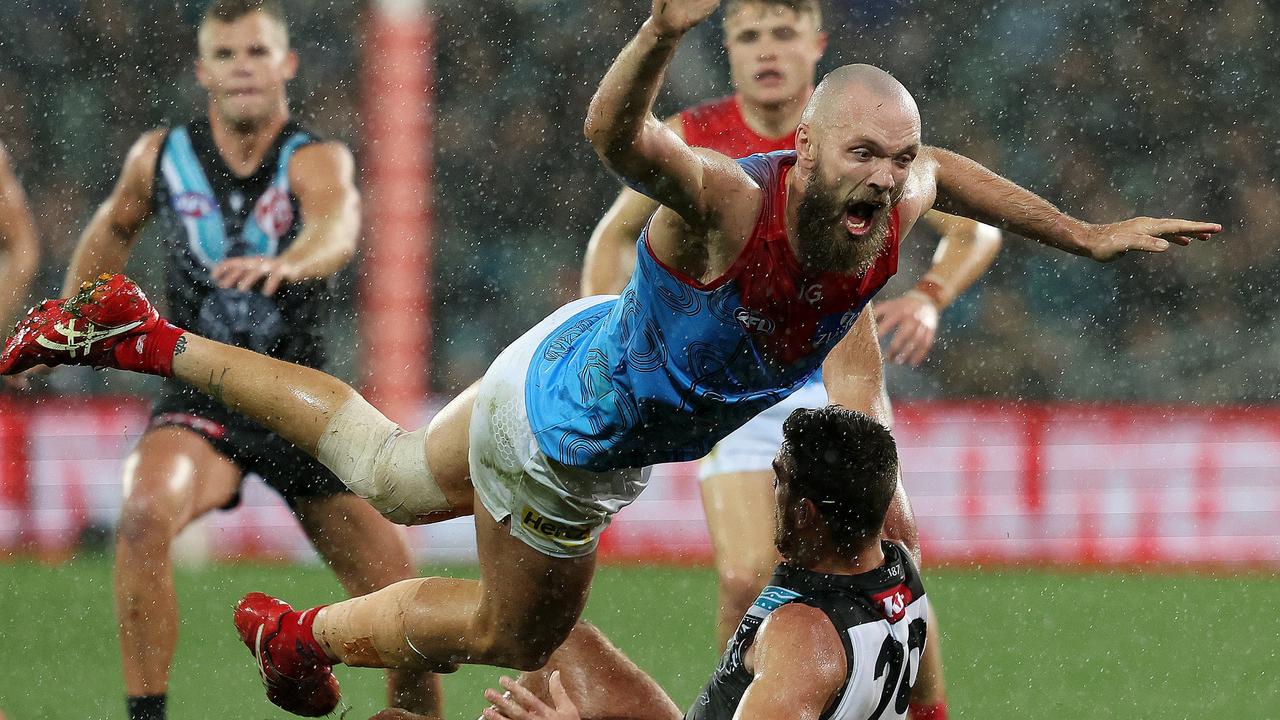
[[148, 519]]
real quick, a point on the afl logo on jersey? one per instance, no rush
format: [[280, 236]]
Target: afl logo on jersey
[[754, 321], [194, 205], [274, 212]]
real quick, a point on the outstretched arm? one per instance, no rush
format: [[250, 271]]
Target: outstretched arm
[[969, 189], [322, 177], [965, 251], [611, 252], [636, 145]]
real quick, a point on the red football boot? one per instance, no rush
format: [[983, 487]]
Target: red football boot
[[108, 323], [295, 671]]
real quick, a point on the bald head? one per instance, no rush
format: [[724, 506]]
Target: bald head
[[854, 95], [855, 146]]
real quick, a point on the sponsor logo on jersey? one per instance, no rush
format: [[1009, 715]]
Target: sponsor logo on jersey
[[274, 212], [754, 321], [194, 205], [829, 337], [893, 602], [560, 533], [812, 294]]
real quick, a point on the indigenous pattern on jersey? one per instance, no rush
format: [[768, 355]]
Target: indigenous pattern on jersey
[[719, 125], [210, 215], [881, 617], [674, 364]]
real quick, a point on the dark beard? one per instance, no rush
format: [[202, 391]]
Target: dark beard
[[824, 244]]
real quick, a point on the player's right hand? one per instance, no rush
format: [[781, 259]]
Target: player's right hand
[[1105, 243], [912, 321], [519, 702], [676, 17]]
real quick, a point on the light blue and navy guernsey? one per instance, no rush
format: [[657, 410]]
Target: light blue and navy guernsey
[[881, 617], [673, 365], [211, 214]]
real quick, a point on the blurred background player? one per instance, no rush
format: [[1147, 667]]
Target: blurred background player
[[773, 48], [259, 215], [838, 633], [19, 249]]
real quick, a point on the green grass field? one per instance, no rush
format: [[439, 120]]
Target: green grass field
[[1018, 644]]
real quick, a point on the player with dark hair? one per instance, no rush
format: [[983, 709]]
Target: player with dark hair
[[751, 276], [259, 214], [773, 47], [838, 632], [19, 248]]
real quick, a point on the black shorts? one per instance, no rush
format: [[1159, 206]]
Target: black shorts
[[253, 448]]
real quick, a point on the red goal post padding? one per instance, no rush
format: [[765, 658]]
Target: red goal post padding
[[990, 483]]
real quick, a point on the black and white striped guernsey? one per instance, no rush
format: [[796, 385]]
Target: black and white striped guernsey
[[881, 616]]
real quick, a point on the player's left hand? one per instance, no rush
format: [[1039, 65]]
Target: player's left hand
[[913, 321], [1105, 243], [519, 703], [243, 273]]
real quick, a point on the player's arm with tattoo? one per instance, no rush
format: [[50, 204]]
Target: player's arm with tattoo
[[19, 247], [106, 243], [611, 252], [853, 372], [965, 250], [966, 188], [322, 177], [798, 666]]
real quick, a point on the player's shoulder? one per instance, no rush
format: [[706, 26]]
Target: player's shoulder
[[322, 164], [921, 190], [709, 111], [766, 168], [802, 641], [320, 155], [800, 624], [144, 154]]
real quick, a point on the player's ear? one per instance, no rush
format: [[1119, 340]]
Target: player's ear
[[806, 513], [201, 76], [805, 148], [822, 43], [291, 65]]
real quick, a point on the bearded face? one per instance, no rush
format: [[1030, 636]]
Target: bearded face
[[785, 536], [841, 231]]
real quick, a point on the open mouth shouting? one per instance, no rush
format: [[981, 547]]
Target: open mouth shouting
[[859, 217]]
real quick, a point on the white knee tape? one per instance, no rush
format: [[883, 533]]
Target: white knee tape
[[380, 462]]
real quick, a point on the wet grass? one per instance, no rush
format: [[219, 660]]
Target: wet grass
[[1018, 644]]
